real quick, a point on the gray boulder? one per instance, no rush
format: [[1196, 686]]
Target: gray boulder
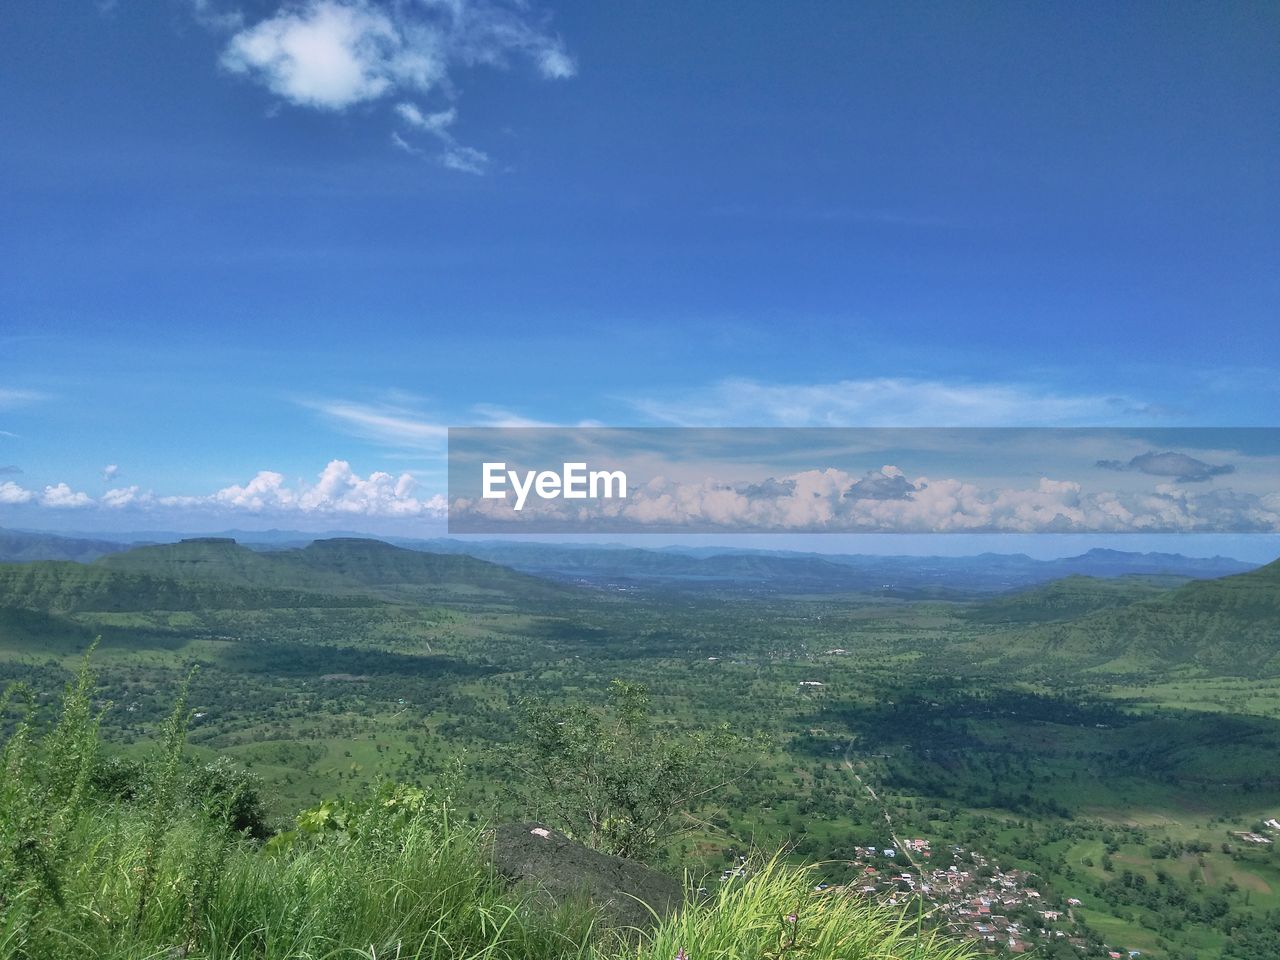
[[564, 871]]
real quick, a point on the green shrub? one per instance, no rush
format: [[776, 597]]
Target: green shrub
[[615, 780]]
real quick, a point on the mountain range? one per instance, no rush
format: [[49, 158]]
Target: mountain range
[[1104, 609]]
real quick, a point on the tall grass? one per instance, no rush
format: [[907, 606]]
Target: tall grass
[[775, 913], [165, 876], [431, 897]]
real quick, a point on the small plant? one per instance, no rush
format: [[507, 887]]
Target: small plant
[[163, 790], [46, 783]]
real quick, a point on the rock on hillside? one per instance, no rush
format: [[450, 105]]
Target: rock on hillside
[[565, 870]]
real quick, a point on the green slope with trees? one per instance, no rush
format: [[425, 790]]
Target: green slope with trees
[[1230, 626], [339, 566]]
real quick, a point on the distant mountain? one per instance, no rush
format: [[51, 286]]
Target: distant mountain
[[221, 560], [619, 566], [908, 577], [62, 587], [294, 565], [1117, 563], [343, 566], [20, 547], [412, 574], [1230, 626], [248, 538]]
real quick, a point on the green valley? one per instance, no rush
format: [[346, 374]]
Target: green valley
[[1109, 743]]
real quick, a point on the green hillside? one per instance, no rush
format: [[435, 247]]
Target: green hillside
[[1071, 597], [336, 567], [219, 560], [411, 574], [1230, 626], [64, 587]]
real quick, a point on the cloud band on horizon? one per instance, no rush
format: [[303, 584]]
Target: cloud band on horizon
[[822, 481]]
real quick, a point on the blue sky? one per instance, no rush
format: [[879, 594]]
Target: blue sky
[[248, 237]]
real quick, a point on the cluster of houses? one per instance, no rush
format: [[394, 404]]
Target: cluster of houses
[[1248, 836], [1257, 838], [971, 898]]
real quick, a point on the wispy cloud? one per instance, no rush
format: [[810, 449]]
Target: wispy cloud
[[330, 55], [400, 143], [432, 122], [490, 415], [212, 15], [453, 155], [464, 159], [882, 402], [11, 397], [384, 423], [399, 424]]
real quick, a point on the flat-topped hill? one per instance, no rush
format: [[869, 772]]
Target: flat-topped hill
[[341, 566]]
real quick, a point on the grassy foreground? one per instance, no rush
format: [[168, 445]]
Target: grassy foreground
[[159, 861]]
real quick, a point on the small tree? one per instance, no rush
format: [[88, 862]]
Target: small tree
[[616, 781]]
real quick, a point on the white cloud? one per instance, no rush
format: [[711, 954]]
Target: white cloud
[[122, 497], [110, 471], [335, 54], [11, 493], [266, 489], [556, 64], [434, 122], [61, 496], [327, 54], [338, 490], [879, 402]]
